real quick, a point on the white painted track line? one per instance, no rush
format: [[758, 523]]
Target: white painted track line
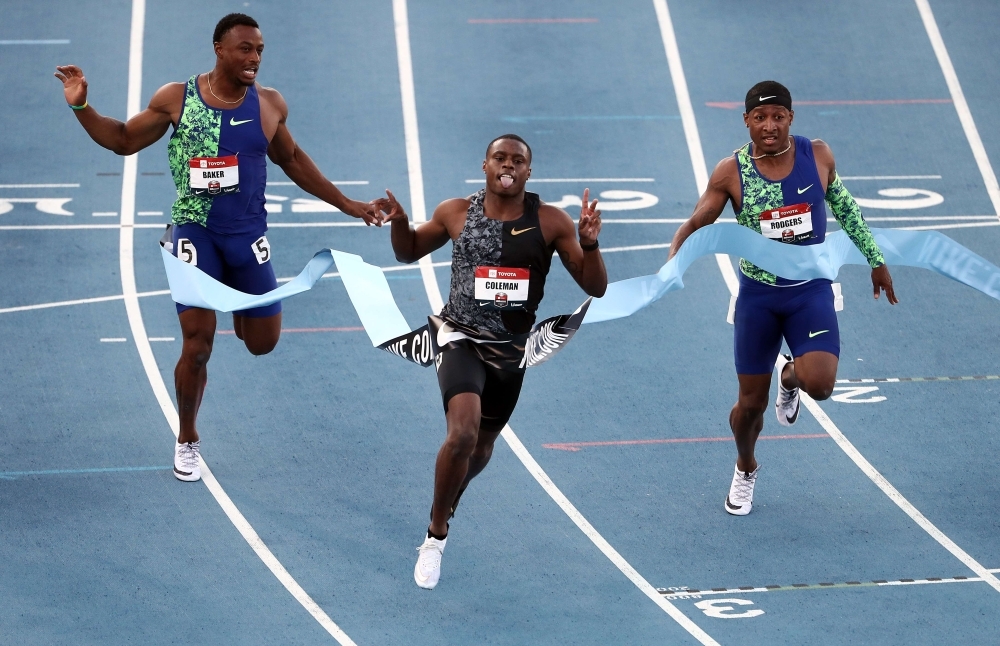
[[729, 274], [149, 361], [894, 495], [961, 106], [399, 10]]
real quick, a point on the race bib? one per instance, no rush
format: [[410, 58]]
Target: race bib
[[787, 224], [502, 288], [215, 175]]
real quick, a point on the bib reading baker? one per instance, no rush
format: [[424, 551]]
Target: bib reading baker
[[218, 160], [215, 175]]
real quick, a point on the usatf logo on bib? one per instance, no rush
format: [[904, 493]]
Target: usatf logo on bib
[[502, 288], [787, 224], [215, 175]]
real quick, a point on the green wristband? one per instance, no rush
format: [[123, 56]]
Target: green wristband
[[79, 107]]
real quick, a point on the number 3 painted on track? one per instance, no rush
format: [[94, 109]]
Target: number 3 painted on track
[[715, 608]]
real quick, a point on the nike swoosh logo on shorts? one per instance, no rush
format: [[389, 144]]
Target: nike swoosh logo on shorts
[[234, 122], [765, 98], [803, 190], [515, 232], [812, 334]]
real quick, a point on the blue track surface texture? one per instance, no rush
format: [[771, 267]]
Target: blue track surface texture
[[326, 447]]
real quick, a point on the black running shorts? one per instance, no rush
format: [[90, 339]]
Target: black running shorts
[[459, 370]]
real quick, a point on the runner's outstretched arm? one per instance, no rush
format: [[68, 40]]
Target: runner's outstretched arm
[[848, 214], [410, 244], [586, 266], [302, 170], [126, 138], [710, 204]]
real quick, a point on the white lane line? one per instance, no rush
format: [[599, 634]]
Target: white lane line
[[150, 213], [688, 120], [812, 406], [80, 301], [411, 135], [149, 361], [935, 227], [639, 247], [113, 339], [610, 552], [574, 180], [961, 106], [399, 11], [57, 41], [894, 494], [39, 186], [867, 177], [154, 339], [346, 182], [104, 214]]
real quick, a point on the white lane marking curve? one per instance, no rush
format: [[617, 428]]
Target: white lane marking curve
[[729, 274], [127, 268], [401, 19]]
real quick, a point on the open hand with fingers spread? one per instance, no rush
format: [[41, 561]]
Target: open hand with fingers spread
[[882, 281], [390, 208], [74, 84], [590, 221]]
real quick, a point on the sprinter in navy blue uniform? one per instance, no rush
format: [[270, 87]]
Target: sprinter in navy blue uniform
[[226, 125], [777, 185]]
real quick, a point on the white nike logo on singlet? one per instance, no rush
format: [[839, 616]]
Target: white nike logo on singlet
[[803, 190], [234, 122], [765, 98]]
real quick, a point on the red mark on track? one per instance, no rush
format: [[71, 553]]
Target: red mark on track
[[521, 21], [733, 105], [293, 330], [576, 446]]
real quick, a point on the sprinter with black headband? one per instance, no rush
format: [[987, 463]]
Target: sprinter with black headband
[[777, 184], [503, 239]]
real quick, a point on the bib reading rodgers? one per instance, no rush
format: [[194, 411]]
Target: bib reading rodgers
[[787, 224], [502, 288], [215, 175]]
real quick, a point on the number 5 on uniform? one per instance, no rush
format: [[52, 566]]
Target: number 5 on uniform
[[262, 249], [187, 252]]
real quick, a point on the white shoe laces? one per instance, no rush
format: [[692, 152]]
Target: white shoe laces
[[188, 453], [743, 487], [430, 556]]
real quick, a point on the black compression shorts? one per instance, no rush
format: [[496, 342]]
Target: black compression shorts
[[459, 370]]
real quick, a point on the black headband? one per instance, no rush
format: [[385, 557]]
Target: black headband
[[768, 93]]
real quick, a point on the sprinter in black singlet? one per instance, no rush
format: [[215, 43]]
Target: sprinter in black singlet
[[503, 240]]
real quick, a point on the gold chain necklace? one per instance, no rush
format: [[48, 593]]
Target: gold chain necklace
[[245, 90], [753, 157]]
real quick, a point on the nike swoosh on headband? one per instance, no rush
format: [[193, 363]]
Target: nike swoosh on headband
[[765, 98], [234, 122]]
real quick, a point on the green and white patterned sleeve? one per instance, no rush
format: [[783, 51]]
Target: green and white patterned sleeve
[[848, 214]]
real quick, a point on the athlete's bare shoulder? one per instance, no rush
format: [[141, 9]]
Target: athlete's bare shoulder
[[555, 223], [450, 216], [825, 164], [169, 96], [273, 98]]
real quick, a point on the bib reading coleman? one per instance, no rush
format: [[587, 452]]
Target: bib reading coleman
[[498, 272]]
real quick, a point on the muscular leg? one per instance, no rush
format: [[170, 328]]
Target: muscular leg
[[747, 417], [191, 373], [814, 372], [455, 466], [260, 335]]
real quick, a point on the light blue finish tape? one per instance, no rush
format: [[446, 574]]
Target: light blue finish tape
[[366, 285], [926, 249], [372, 298], [370, 294]]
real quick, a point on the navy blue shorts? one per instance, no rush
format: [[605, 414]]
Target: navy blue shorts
[[242, 262], [802, 314]]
